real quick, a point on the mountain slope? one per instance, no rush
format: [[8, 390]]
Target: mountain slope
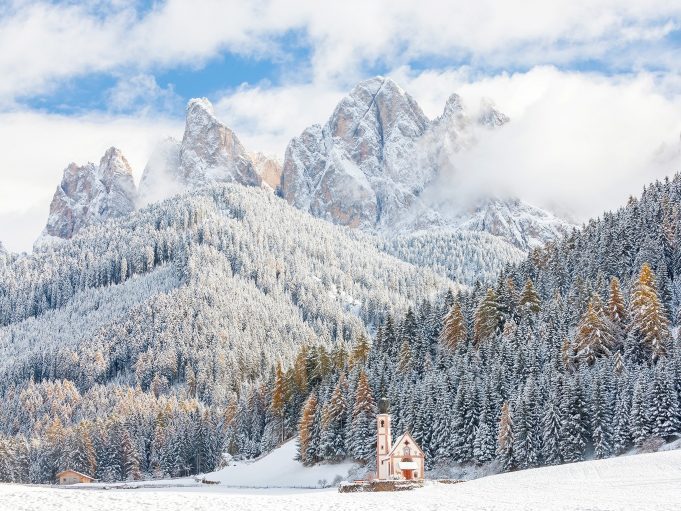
[[226, 268], [571, 354]]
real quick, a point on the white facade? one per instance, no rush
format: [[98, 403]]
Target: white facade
[[403, 460]]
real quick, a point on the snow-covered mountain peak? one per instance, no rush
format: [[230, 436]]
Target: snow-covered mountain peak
[[377, 106], [489, 116], [371, 163], [90, 194], [359, 169], [211, 151], [113, 165], [453, 107]]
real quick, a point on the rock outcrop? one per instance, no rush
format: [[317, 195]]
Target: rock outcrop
[[92, 193], [359, 169], [209, 152]]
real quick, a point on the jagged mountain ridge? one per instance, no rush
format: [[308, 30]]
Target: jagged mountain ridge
[[376, 157], [369, 167]]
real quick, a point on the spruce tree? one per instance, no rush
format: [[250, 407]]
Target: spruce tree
[[594, 337], [362, 445]]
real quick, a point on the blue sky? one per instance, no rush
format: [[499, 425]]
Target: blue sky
[[81, 76]]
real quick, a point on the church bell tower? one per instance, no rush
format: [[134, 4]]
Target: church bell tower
[[383, 440]]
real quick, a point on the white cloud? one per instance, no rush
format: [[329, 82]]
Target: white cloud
[[36, 149], [142, 94], [265, 118], [581, 142], [43, 43]]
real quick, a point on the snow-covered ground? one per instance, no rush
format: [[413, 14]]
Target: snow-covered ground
[[640, 482], [280, 470]]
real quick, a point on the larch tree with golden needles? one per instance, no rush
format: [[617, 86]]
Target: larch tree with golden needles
[[505, 437], [360, 351], [648, 316], [616, 310], [529, 302], [305, 429], [488, 318], [454, 331], [279, 397]]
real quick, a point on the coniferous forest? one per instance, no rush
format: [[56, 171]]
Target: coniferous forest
[[569, 354]]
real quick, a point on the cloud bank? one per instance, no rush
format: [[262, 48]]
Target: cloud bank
[[592, 87]]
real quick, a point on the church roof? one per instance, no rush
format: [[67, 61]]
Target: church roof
[[399, 439]]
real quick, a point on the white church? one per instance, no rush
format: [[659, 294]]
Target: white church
[[402, 460]]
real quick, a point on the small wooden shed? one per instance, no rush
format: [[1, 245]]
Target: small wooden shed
[[72, 477]]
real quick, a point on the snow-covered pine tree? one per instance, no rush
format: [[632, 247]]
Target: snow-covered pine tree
[[594, 338], [362, 446]]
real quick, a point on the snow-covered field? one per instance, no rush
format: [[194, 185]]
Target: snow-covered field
[[640, 482]]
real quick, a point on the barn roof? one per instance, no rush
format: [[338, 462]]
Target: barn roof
[[74, 472]]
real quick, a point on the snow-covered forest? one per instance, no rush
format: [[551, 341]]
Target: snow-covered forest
[[177, 305], [567, 356], [226, 320]]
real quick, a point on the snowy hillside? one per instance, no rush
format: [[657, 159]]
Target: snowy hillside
[[463, 256], [650, 482], [279, 469]]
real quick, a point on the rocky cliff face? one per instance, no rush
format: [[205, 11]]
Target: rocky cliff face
[[370, 164], [92, 193], [268, 168], [359, 169], [209, 152]]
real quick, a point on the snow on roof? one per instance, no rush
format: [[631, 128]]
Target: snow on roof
[[408, 465]]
